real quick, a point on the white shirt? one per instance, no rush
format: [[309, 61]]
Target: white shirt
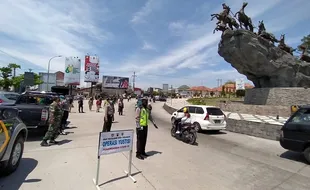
[[185, 120]]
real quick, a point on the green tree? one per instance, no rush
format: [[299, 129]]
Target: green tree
[[14, 66], [223, 93], [6, 81], [305, 43]]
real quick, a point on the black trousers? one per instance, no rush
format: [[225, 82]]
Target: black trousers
[[107, 124], [80, 108], [141, 140], [64, 119]]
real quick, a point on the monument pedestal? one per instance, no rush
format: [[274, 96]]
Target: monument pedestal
[[277, 96]]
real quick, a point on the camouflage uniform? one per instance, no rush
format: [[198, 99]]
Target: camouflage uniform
[[55, 115]]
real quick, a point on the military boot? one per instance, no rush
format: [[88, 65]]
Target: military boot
[[53, 141], [44, 143]]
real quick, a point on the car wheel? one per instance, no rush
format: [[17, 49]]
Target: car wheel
[[307, 154], [197, 127], [15, 157]]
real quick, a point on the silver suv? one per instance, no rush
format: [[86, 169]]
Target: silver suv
[[13, 133]]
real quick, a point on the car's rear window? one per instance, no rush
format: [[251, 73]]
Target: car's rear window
[[11, 96], [36, 99], [302, 116], [214, 111]]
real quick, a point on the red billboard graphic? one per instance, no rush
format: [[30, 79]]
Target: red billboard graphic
[[91, 69]]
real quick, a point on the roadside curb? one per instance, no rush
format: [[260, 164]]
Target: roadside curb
[[252, 128]]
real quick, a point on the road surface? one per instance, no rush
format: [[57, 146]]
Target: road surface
[[223, 161]]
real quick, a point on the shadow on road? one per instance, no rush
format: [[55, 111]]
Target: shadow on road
[[119, 178], [35, 135], [213, 132], [294, 156], [153, 152], [62, 142], [16, 179]]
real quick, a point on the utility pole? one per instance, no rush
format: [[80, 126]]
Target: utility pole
[[134, 80]]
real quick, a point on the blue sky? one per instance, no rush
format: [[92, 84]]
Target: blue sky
[[164, 41]]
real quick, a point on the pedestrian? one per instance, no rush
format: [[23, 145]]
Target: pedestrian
[[71, 102], [65, 105], [80, 102], [108, 116], [55, 114], [98, 104], [142, 117], [90, 103], [120, 106], [113, 101]]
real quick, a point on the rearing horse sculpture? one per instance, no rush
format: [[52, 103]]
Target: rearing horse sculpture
[[285, 47], [266, 35], [243, 19], [232, 23]]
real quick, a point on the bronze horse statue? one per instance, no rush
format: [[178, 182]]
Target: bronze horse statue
[[232, 23], [285, 47], [221, 26], [266, 35], [243, 19]]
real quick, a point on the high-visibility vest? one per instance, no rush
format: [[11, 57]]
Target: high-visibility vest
[[144, 117]]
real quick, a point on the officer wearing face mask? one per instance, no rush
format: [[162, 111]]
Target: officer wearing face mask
[[143, 115]]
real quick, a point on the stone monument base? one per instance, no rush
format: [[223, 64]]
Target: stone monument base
[[277, 96]]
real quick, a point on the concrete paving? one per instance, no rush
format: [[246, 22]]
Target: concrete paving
[[220, 161], [178, 103]]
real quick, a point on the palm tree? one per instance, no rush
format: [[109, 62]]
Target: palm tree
[[14, 66]]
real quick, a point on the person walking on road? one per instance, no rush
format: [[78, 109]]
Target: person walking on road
[[71, 102], [90, 103], [120, 106], [55, 114], [65, 105], [98, 104], [108, 116], [142, 117], [80, 102]]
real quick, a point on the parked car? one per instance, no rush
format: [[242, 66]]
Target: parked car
[[8, 97], [162, 99], [295, 133], [13, 133], [33, 108], [203, 117]]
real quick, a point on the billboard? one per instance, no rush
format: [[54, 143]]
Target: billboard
[[51, 81], [165, 87], [91, 69], [72, 71], [115, 82], [28, 79], [240, 84]]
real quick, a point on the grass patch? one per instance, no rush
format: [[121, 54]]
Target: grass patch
[[210, 101]]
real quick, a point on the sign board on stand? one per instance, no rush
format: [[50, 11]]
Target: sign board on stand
[[115, 142]]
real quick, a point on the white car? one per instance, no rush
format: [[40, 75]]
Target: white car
[[203, 117]]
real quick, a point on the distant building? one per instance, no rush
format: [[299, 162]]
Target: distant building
[[60, 78]]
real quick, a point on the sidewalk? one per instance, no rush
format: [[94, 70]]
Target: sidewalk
[[179, 103]]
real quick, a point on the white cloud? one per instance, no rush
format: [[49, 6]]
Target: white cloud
[[139, 17], [147, 46], [48, 29]]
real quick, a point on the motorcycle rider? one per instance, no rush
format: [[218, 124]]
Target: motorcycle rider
[[186, 119]]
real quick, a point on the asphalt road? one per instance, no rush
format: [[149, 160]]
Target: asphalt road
[[219, 161]]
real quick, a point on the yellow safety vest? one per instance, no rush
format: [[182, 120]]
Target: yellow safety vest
[[144, 117]]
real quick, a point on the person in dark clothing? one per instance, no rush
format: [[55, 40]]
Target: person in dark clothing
[[80, 102], [142, 116], [108, 116], [120, 106]]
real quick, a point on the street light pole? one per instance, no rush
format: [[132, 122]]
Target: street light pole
[[48, 71]]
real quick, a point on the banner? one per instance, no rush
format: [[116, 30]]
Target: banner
[[115, 141], [91, 69], [240, 84], [72, 71], [115, 82]]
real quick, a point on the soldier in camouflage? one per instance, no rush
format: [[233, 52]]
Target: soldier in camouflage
[[55, 115]]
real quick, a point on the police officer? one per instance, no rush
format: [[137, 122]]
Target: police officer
[[142, 117], [55, 115]]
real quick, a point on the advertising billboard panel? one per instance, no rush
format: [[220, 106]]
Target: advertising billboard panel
[[51, 81], [115, 82], [72, 71], [91, 69], [165, 87], [240, 84]]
